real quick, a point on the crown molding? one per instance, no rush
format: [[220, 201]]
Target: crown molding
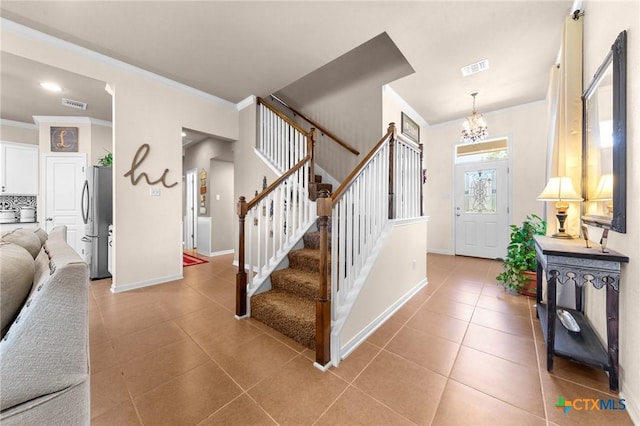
[[248, 101], [45, 119], [20, 124], [41, 37]]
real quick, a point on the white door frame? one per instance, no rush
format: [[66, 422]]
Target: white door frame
[[509, 188], [191, 209]]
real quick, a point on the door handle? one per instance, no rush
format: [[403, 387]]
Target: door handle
[[49, 219], [457, 214]]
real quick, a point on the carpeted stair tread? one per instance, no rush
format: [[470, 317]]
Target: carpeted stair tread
[[288, 314], [296, 281], [306, 259], [312, 240]]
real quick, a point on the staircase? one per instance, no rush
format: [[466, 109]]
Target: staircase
[[290, 306]]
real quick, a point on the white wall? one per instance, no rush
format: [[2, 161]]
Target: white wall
[[14, 131], [400, 270], [147, 109], [525, 126], [602, 23], [222, 206]]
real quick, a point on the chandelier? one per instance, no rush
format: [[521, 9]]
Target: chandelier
[[474, 128]]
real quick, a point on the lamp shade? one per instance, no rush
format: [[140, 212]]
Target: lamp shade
[[559, 189], [605, 188]]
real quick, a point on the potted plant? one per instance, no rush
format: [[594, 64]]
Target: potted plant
[[519, 272]]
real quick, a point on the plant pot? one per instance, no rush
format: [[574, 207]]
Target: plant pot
[[529, 288]]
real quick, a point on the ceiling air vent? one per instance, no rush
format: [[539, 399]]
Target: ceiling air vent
[[73, 104], [475, 68]]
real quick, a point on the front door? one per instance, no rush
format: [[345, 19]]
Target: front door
[[481, 209], [64, 178]]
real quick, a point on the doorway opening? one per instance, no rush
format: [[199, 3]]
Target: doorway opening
[[208, 194]]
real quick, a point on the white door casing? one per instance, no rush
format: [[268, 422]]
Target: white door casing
[[191, 206], [482, 209], [64, 176]]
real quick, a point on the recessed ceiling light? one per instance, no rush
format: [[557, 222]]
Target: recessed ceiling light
[[52, 87]]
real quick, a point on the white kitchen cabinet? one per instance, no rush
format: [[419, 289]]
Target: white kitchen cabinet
[[19, 169]]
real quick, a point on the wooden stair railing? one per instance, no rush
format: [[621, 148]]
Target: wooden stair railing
[[313, 123], [244, 206], [386, 185]]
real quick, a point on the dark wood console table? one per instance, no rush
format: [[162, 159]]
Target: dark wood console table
[[571, 262]]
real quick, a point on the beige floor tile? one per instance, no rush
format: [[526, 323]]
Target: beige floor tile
[[508, 323], [425, 349], [220, 341], [518, 349], [298, 393], [122, 321], [120, 415], [241, 411], [161, 365], [463, 405], [385, 332], [445, 306], [354, 364], [187, 399], [406, 388], [102, 356], [439, 325], [354, 407], [460, 295], [506, 303], [108, 391], [212, 319], [513, 383], [147, 340], [254, 361], [292, 344], [457, 283]]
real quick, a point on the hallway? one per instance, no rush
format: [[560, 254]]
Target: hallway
[[461, 352]]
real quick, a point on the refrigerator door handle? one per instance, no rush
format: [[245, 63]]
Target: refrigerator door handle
[[85, 202]]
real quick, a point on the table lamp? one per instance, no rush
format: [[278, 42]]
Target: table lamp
[[560, 189], [604, 192]]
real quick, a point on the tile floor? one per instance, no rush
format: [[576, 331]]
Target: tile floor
[[461, 352]]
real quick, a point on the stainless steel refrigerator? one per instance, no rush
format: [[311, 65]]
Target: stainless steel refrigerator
[[97, 215]]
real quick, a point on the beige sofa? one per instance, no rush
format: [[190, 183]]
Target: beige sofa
[[44, 351]]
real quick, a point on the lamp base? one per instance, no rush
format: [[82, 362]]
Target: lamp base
[[562, 235]]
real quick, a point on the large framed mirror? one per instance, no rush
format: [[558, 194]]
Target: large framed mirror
[[604, 146]]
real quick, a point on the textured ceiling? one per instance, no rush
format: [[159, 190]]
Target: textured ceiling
[[236, 49]]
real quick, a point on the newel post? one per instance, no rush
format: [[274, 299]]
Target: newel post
[[323, 304], [392, 142], [241, 276], [311, 149]]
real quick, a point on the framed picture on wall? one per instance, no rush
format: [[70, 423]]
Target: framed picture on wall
[[64, 139], [410, 128]]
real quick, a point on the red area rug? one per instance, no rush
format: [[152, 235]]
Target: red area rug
[[188, 260]]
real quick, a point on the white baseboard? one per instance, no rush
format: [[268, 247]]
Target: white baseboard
[[216, 253], [445, 252], [146, 283], [633, 408]]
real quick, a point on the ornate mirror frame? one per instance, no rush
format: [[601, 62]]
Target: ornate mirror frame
[[616, 220]]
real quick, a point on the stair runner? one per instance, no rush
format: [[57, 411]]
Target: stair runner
[[290, 306]]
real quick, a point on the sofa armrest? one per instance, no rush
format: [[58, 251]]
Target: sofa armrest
[[46, 348]]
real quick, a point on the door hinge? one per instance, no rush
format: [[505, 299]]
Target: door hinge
[[82, 169]]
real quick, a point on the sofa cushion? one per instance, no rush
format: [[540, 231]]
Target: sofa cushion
[[41, 234], [24, 238], [17, 267]]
